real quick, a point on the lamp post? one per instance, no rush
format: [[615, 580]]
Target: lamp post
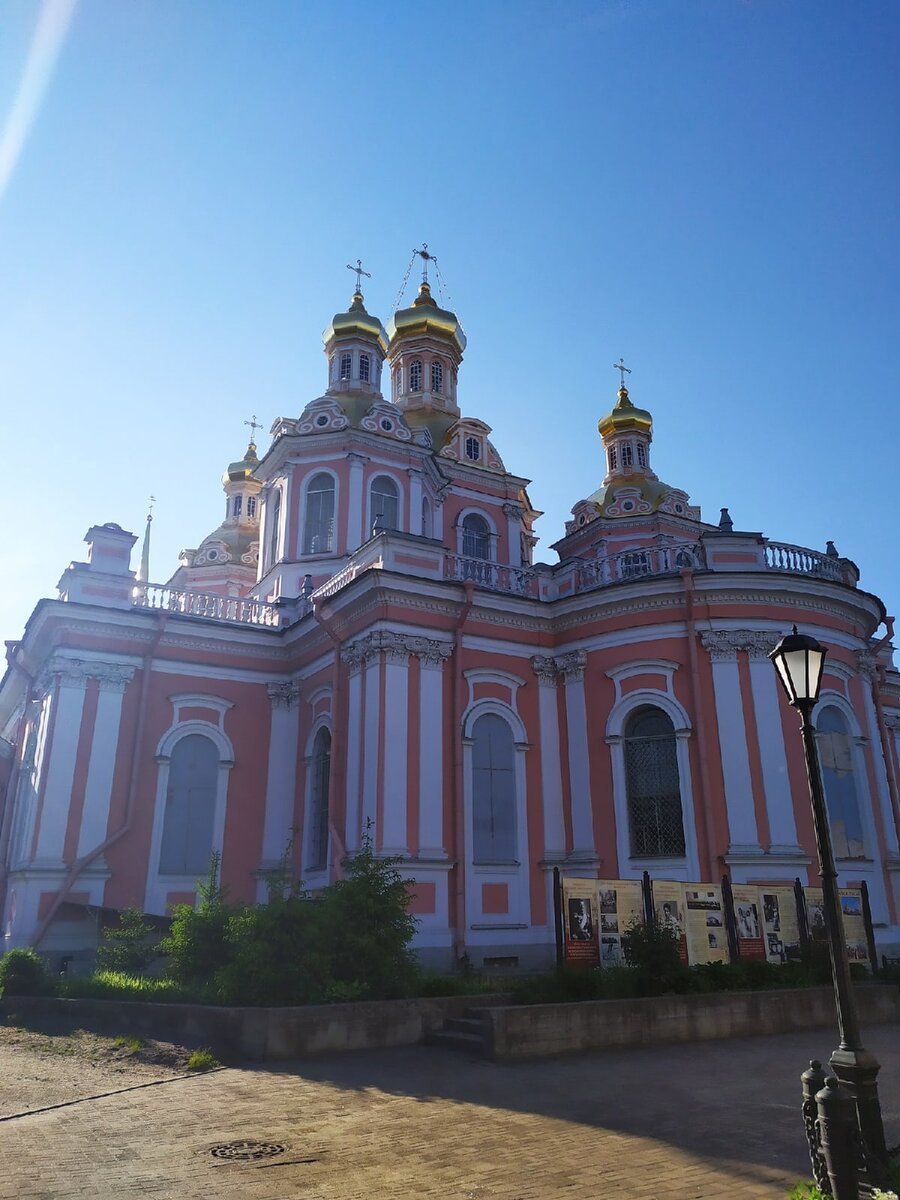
[[799, 660]]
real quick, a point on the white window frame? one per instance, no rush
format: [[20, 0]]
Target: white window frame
[[401, 500], [492, 533], [303, 552]]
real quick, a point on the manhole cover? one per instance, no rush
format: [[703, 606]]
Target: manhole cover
[[246, 1150]]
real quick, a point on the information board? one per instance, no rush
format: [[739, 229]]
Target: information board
[[621, 905], [854, 925], [781, 927], [748, 921], [707, 935], [668, 904], [581, 922]]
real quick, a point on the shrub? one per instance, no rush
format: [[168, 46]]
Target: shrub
[[24, 973], [198, 946], [202, 1060], [127, 946], [653, 950], [275, 954]]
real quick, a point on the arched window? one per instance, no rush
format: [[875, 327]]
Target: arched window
[[427, 525], [398, 382], [493, 791], [251, 506], [654, 795], [365, 364], [318, 527], [476, 540], [346, 366], [437, 376], [237, 505], [187, 837], [613, 458], [273, 520], [415, 375], [385, 503], [626, 455], [641, 455], [317, 858], [836, 755]]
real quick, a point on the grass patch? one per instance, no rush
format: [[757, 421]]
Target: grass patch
[[132, 1044], [117, 985], [202, 1060]]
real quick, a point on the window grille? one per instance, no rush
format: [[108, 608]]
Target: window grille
[[273, 518], [627, 457], [346, 366], [835, 744], [493, 790], [237, 505], [318, 800], [318, 532], [634, 563], [613, 458], [654, 794], [364, 367], [473, 449], [437, 377], [476, 541], [251, 506], [415, 376], [187, 838], [641, 454], [385, 503]]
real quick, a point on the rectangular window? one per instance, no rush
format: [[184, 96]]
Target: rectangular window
[[236, 506], [364, 368], [251, 506], [346, 366]]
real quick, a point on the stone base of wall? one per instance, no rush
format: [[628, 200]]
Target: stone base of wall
[[535, 1030]]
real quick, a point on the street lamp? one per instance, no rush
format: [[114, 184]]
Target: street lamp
[[799, 660]]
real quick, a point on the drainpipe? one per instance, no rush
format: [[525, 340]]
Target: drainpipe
[[878, 681], [687, 579], [79, 865], [457, 782], [338, 781]]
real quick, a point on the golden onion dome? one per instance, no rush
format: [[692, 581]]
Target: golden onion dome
[[425, 319], [244, 468], [356, 322], [625, 416]]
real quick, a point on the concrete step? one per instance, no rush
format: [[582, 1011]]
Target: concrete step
[[451, 1040], [463, 1025]]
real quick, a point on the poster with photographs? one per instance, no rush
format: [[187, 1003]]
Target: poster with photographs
[[668, 904], [581, 922], [707, 936], [854, 925], [781, 929], [748, 921], [815, 913], [621, 904]]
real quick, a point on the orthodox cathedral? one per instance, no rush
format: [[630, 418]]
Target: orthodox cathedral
[[366, 643]]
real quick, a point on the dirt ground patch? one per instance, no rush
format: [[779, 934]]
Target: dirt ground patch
[[46, 1060]]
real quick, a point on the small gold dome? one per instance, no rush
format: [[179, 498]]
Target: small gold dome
[[244, 468], [424, 319], [625, 416], [356, 322]]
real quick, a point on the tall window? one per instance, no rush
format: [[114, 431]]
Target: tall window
[[427, 525], [318, 801], [626, 455], [836, 755], [385, 503], [364, 367], [641, 455], [318, 529], [493, 790], [398, 382], [415, 376], [237, 505], [654, 795], [251, 506], [346, 366], [437, 377], [473, 449], [476, 540], [190, 807], [613, 458], [273, 519]]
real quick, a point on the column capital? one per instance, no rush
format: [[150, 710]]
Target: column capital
[[866, 663], [546, 670], [430, 651], [723, 644], [283, 694], [571, 666], [77, 672], [513, 511]]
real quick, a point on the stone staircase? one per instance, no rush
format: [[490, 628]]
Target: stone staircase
[[462, 1033]]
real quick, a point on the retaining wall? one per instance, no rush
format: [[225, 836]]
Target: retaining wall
[[531, 1031]]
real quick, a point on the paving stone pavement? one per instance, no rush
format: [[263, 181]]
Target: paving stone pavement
[[714, 1120]]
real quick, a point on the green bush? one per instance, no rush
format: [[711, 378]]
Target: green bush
[[653, 950], [197, 946], [23, 973], [275, 954], [127, 946]]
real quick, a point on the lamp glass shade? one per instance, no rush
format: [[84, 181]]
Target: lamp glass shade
[[800, 660]]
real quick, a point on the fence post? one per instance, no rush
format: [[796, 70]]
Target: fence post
[[812, 1081], [839, 1135]]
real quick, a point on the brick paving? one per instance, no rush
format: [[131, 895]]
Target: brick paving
[[714, 1120]]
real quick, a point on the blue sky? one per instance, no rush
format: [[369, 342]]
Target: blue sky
[[707, 187]]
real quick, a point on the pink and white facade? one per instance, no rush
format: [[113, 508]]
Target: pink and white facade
[[366, 642]]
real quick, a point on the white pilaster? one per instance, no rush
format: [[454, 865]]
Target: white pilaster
[[431, 747], [551, 764], [438, 519], [572, 667], [770, 735], [415, 501], [54, 817], [353, 659], [371, 730], [355, 502], [281, 775], [513, 514], [874, 735], [104, 750], [742, 831], [395, 733]]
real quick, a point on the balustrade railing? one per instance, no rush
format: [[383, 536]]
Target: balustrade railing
[[635, 564], [241, 610], [783, 557], [517, 581]]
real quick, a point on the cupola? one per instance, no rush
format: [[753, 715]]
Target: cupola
[[355, 345], [424, 352]]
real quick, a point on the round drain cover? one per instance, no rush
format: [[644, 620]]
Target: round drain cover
[[246, 1150]]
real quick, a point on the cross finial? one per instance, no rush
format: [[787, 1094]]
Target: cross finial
[[150, 509], [622, 369], [359, 273], [254, 425], [426, 258]]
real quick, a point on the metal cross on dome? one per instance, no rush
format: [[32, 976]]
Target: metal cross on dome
[[426, 258], [359, 273], [254, 425], [622, 369]]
